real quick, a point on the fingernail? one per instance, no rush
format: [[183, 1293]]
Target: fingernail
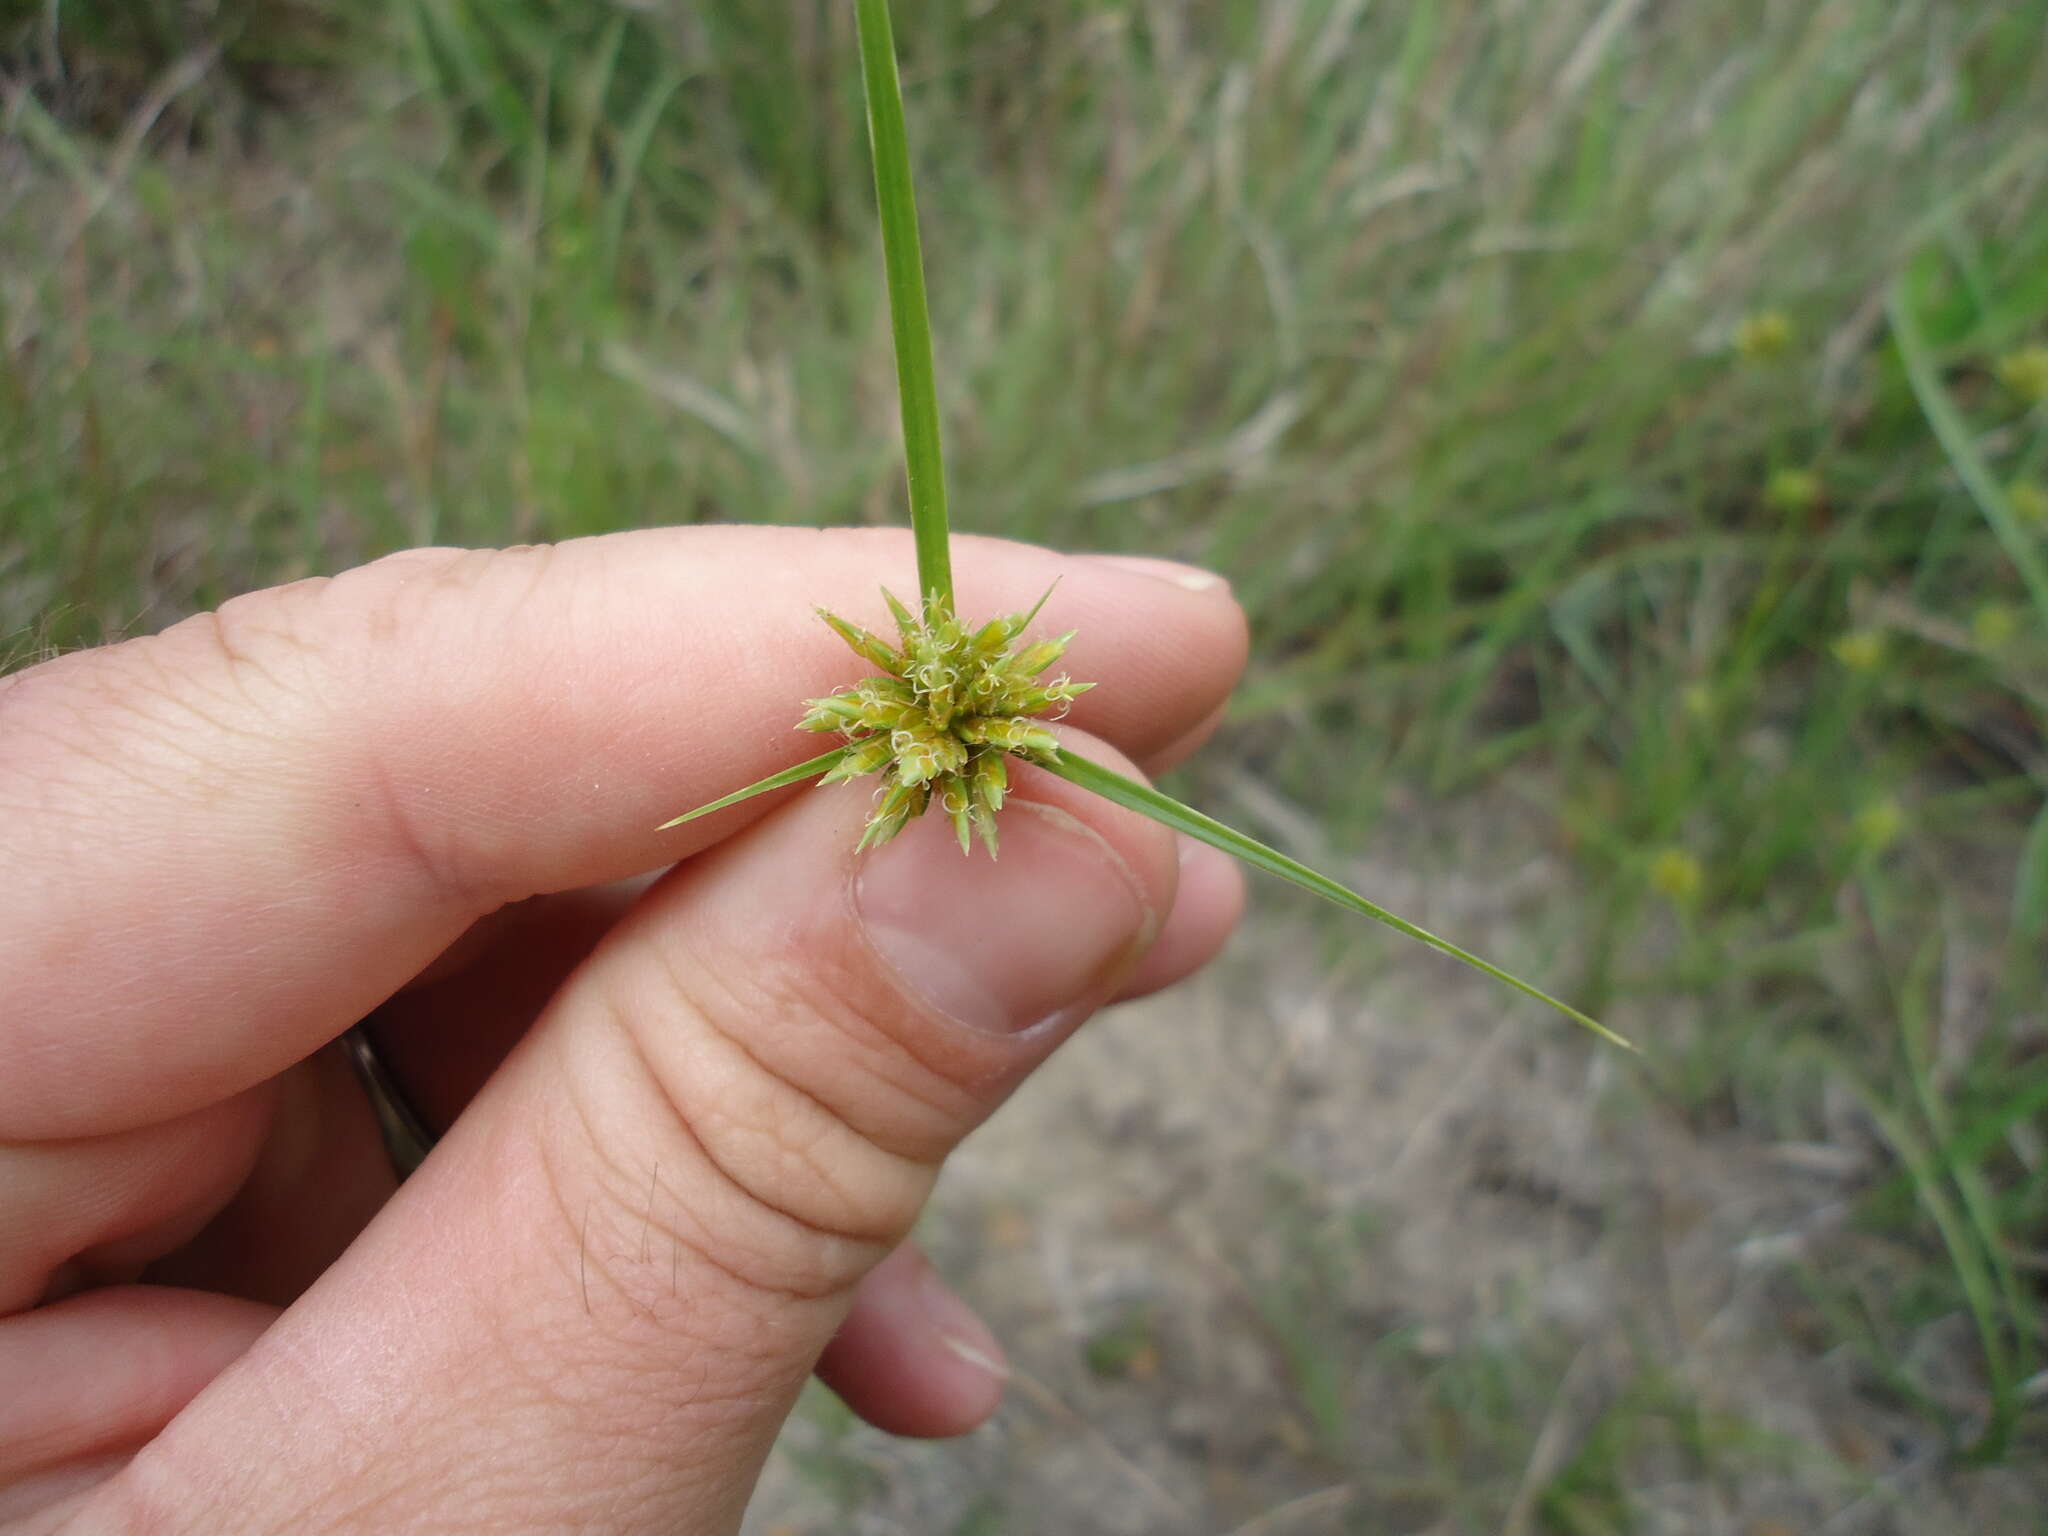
[[1003, 946], [1191, 578], [966, 1350], [960, 1331]]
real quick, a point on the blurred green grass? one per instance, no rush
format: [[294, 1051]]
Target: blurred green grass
[[1527, 368]]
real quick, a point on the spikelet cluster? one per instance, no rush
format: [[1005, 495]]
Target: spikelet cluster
[[952, 706]]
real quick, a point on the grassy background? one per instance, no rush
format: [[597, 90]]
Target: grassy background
[[1527, 366]]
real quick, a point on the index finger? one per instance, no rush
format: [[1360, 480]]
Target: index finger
[[223, 844]]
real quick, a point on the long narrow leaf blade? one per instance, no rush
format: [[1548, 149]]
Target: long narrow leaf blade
[[1962, 452], [1169, 812], [796, 775], [2030, 887], [924, 463]]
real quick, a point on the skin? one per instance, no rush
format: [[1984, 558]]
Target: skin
[[690, 1117]]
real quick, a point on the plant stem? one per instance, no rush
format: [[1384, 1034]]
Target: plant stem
[[924, 462]]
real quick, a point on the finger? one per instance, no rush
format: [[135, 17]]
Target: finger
[[103, 1372], [912, 1358], [93, 1211], [630, 1251], [442, 1039], [560, 922], [1206, 907], [1185, 746], [443, 1036], [252, 1196], [322, 1175], [305, 797]]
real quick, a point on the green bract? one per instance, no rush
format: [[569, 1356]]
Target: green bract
[[955, 701]]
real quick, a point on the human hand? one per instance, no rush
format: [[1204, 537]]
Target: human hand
[[689, 1124]]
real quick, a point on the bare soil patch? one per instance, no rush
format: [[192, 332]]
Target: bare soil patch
[[1343, 1240]]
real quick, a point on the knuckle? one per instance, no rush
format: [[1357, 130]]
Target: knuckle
[[124, 715], [424, 616], [648, 1220], [765, 1176], [233, 664], [794, 1155], [190, 715], [406, 600], [814, 1015]]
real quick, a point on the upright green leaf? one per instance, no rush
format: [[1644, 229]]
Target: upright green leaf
[[1169, 812], [924, 463]]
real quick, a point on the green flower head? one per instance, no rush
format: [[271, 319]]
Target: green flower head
[[1764, 336], [1677, 876], [2025, 372], [952, 705], [1794, 490], [1860, 650]]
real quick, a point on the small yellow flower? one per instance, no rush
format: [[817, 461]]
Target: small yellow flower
[[1860, 650], [1993, 626], [2024, 371], [2029, 502], [1879, 824], [567, 244], [1764, 336], [1793, 490], [1676, 876]]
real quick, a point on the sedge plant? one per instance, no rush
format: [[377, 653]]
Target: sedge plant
[[954, 701]]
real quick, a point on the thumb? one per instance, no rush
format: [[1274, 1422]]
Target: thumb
[[595, 1304]]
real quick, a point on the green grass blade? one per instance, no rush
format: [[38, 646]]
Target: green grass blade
[[1169, 812], [629, 155], [2030, 888], [810, 770], [924, 462], [1962, 453], [1966, 1251]]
